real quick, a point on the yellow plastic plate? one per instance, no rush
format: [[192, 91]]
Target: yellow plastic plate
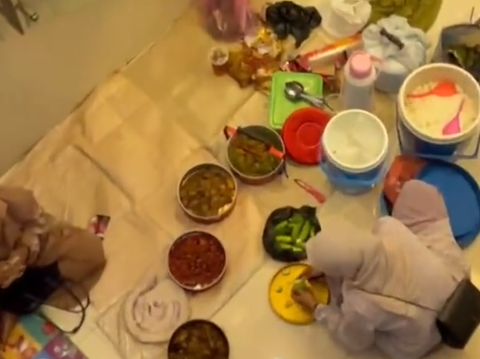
[[279, 294]]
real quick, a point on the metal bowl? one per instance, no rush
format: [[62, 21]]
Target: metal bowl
[[271, 137], [187, 326], [225, 211], [196, 288]]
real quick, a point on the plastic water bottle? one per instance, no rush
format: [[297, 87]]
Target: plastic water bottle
[[359, 77]]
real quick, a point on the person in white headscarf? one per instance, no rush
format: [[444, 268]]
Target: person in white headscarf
[[386, 286]]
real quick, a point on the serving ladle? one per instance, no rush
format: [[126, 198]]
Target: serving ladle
[[453, 126], [295, 91]]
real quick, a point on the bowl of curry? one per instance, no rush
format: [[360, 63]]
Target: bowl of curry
[[255, 153], [198, 339], [207, 193], [197, 261]]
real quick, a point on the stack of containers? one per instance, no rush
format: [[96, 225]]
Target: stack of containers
[[355, 142]]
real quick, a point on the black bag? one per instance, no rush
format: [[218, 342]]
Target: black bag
[[37, 284], [280, 215], [460, 316]]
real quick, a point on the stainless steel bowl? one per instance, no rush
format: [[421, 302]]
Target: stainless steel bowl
[[226, 210], [186, 326], [206, 286], [271, 137]]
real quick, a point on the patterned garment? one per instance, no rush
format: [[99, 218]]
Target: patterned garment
[[36, 338]]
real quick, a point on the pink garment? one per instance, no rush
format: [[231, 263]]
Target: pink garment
[[226, 20], [392, 261], [421, 208]]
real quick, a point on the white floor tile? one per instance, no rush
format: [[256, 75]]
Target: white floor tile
[[254, 330]]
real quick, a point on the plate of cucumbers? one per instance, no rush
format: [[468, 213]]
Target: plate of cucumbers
[[287, 231], [280, 293]]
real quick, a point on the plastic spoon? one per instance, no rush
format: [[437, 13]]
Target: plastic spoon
[[320, 197], [442, 89], [295, 91], [453, 126]]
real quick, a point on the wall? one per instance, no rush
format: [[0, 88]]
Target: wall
[[46, 72]]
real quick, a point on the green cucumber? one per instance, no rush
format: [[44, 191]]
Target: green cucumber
[[297, 250], [305, 232], [296, 218], [300, 285], [282, 228], [296, 228], [284, 246], [300, 245], [284, 239]]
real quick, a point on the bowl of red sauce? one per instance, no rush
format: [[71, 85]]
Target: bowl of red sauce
[[197, 261]]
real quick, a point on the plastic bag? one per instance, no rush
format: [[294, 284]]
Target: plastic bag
[[287, 18], [460, 45], [280, 215], [226, 20]]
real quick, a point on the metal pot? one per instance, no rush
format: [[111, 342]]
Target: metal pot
[[263, 134], [185, 327], [213, 219], [186, 236]]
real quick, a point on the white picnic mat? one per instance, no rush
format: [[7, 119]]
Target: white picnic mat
[[123, 150]]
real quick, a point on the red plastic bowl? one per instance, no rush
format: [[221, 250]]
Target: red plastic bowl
[[302, 133]]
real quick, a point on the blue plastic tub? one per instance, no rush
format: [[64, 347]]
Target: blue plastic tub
[[461, 194], [415, 141], [354, 147]]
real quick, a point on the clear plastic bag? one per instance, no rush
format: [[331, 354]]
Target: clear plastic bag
[[226, 20]]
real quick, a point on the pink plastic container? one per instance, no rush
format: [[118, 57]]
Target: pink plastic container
[[226, 20]]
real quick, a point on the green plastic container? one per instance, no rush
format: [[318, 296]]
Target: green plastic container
[[280, 106]]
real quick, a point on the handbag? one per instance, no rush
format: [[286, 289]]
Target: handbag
[[29, 292], [459, 317]]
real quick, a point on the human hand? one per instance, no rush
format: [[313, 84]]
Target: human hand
[[12, 269], [311, 274], [304, 298]]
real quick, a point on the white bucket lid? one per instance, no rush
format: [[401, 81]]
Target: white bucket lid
[[355, 141]]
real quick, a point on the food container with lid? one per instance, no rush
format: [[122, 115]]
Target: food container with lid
[[198, 336], [207, 193], [280, 106], [256, 154], [196, 261], [355, 147], [416, 141]]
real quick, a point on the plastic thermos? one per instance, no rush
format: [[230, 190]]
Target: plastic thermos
[[359, 76]]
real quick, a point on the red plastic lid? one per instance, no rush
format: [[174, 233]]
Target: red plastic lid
[[302, 132]]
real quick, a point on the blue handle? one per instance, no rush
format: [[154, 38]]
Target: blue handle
[[451, 157], [346, 182]]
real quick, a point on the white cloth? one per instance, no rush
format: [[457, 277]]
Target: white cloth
[[394, 59]]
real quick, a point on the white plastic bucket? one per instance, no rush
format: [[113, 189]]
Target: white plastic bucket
[[415, 141], [355, 146]]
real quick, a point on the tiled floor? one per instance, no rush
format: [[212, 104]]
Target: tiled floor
[[253, 329]]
